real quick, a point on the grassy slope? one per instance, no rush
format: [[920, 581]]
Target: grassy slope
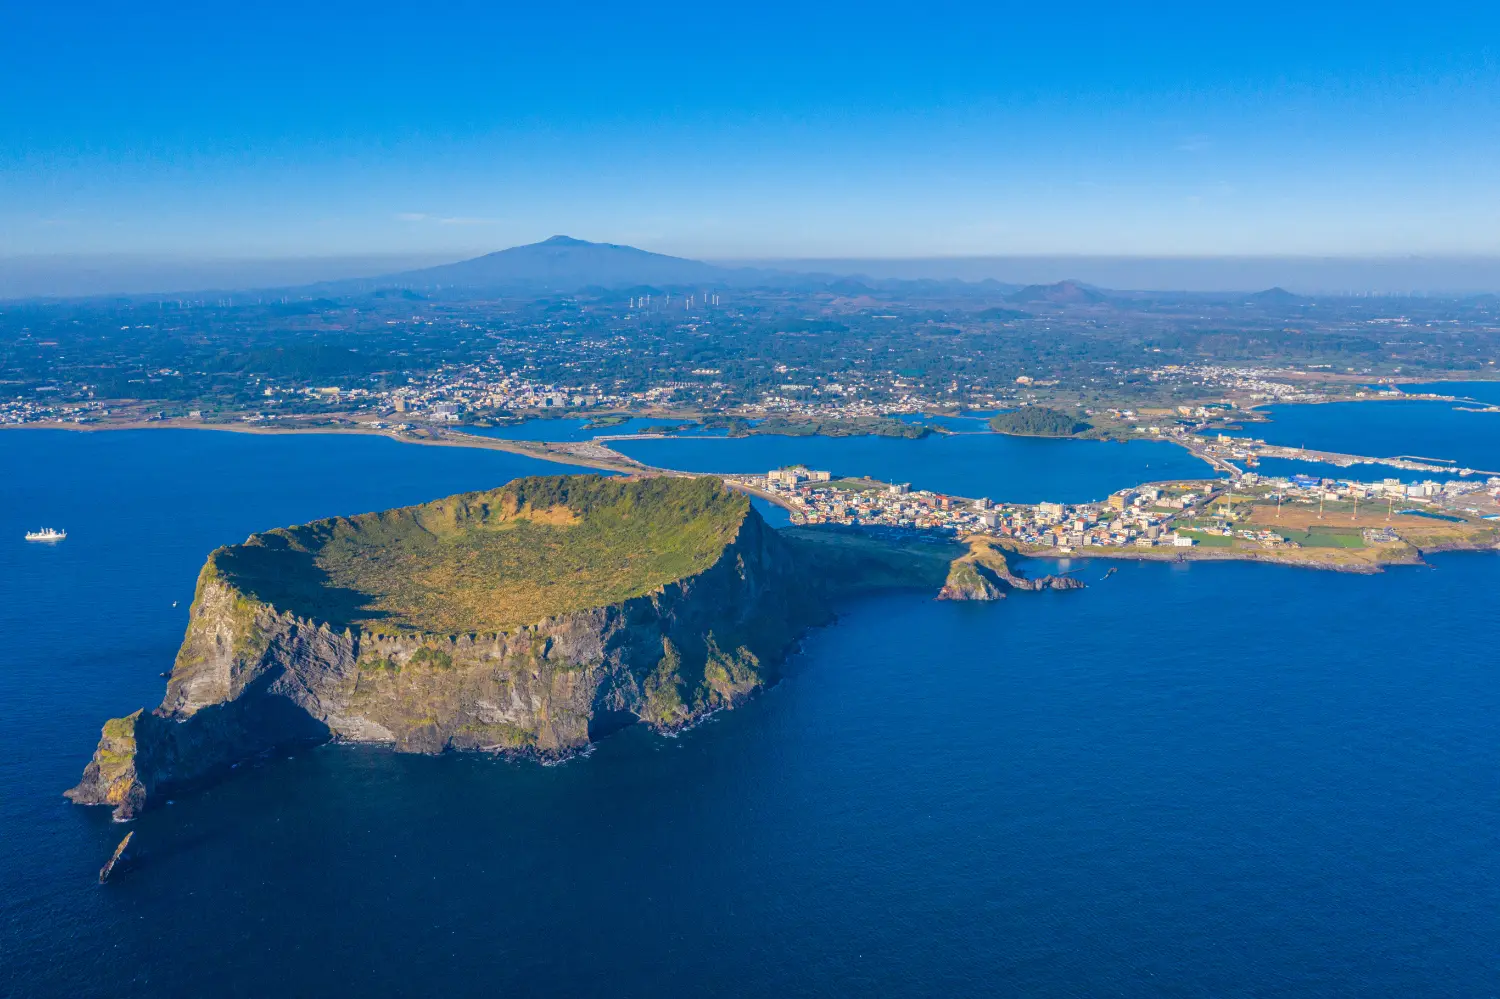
[[489, 561]]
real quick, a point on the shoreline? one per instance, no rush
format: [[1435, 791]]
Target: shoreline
[[1269, 558], [560, 452]]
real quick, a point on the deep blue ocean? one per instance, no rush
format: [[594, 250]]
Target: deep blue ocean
[[1185, 780]]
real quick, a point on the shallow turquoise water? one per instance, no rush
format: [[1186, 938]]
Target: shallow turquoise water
[[1186, 780]]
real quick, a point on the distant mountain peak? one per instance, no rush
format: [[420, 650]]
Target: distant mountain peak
[[565, 263], [1069, 292], [1275, 296]]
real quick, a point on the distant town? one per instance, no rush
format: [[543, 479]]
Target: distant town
[[796, 347]]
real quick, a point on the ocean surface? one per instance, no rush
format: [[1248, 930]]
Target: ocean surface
[[1386, 429], [1001, 467], [1185, 780]]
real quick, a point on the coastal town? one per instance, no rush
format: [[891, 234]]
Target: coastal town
[[1307, 518], [465, 393]]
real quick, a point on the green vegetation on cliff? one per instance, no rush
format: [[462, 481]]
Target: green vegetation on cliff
[[1037, 421], [490, 561]]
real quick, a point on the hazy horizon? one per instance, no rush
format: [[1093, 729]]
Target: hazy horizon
[[82, 276]]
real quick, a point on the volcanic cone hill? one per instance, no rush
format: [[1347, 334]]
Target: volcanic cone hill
[[527, 619], [490, 561]]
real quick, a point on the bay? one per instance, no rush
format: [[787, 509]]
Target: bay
[[999, 466], [1387, 429], [1485, 391]]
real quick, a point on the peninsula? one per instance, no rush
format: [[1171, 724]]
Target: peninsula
[[530, 619], [538, 617]]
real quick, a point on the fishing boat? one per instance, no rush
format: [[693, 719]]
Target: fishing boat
[[46, 534]]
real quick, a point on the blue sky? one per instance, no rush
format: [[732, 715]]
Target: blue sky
[[750, 130]]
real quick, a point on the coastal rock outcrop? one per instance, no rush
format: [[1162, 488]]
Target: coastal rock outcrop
[[969, 581], [985, 574]]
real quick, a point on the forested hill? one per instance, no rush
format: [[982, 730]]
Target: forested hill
[[1038, 421]]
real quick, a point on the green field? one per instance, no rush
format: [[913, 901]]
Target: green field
[[1309, 533], [1208, 540], [489, 561], [1326, 539]]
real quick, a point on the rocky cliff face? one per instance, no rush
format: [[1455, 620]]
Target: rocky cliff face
[[251, 676]]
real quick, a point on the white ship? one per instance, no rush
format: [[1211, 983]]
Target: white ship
[[46, 534]]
